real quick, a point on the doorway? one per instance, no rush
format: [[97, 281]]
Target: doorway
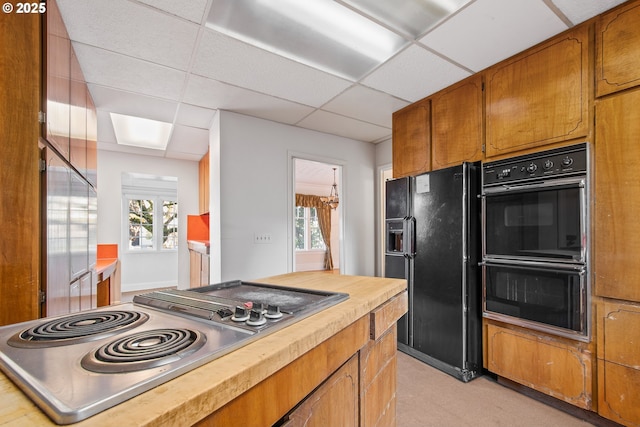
[[312, 220]]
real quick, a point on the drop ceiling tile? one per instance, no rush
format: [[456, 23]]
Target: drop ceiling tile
[[197, 117], [131, 29], [193, 10], [231, 61], [365, 104], [188, 140], [580, 11], [414, 74], [133, 104], [122, 72], [489, 31], [216, 95], [335, 124]]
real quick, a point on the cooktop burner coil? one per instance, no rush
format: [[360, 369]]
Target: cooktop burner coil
[[78, 328], [143, 350]]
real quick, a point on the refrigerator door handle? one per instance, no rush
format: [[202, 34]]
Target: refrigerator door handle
[[410, 237]]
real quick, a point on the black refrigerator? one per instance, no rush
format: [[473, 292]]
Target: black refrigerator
[[433, 240]]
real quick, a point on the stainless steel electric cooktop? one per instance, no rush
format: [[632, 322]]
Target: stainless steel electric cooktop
[[77, 365]]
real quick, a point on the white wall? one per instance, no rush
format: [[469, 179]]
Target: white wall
[[256, 194], [384, 160], [140, 271]]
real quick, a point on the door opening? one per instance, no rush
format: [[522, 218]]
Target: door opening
[[317, 227]]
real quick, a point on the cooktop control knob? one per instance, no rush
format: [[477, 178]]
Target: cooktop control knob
[[567, 161], [273, 312], [548, 164], [256, 318], [241, 314], [532, 168]]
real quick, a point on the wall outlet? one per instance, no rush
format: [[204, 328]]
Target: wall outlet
[[261, 238]]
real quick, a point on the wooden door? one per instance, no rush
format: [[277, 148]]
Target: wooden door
[[457, 121], [616, 241], [619, 362], [557, 367], [334, 403], [92, 142], [78, 118], [539, 97], [618, 49], [20, 102], [58, 109], [412, 140], [203, 181]]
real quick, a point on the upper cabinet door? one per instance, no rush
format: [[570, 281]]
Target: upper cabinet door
[[540, 96], [618, 50], [456, 115], [58, 81], [412, 140], [616, 241]]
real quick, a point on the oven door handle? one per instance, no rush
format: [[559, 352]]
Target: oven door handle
[[540, 264], [555, 183]]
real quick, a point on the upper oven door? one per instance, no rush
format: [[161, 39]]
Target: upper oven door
[[543, 221]]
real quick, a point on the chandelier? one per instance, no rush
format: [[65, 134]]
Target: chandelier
[[333, 200]]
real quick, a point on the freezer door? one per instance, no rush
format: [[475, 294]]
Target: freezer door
[[398, 198]]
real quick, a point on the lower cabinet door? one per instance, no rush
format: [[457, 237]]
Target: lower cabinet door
[[554, 366], [618, 334], [334, 403]]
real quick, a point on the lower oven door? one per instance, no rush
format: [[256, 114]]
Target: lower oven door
[[546, 297]]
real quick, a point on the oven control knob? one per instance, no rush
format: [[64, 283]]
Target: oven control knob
[[241, 314], [567, 161], [532, 168], [548, 164], [273, 312], [256, 318]]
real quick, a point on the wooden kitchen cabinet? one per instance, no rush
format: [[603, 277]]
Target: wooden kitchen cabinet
[[541, 96], [347, 380], [20, 86], [554, 366], [334, 403], [203, 181], [616, 240], [457, 122], [618, 332], [92, 142], [198, 269], [78, 117], [58, 83], [411, 147], [618, 49]]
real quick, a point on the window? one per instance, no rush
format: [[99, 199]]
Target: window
[[308, 235], [143, 226], [150, 213]]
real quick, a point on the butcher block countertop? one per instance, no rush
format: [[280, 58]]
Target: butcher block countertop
[[191, 397]]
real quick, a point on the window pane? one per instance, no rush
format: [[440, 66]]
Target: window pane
[[140, 224], [314, 230], [169, 224], [300, 227]]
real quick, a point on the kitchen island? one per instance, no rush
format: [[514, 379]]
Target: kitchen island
[[337, 366]]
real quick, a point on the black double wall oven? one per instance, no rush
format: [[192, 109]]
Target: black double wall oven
[[535, 241]]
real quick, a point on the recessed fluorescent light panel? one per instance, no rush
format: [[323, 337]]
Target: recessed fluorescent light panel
[[319, 33], [411, 17], [138, 132]]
